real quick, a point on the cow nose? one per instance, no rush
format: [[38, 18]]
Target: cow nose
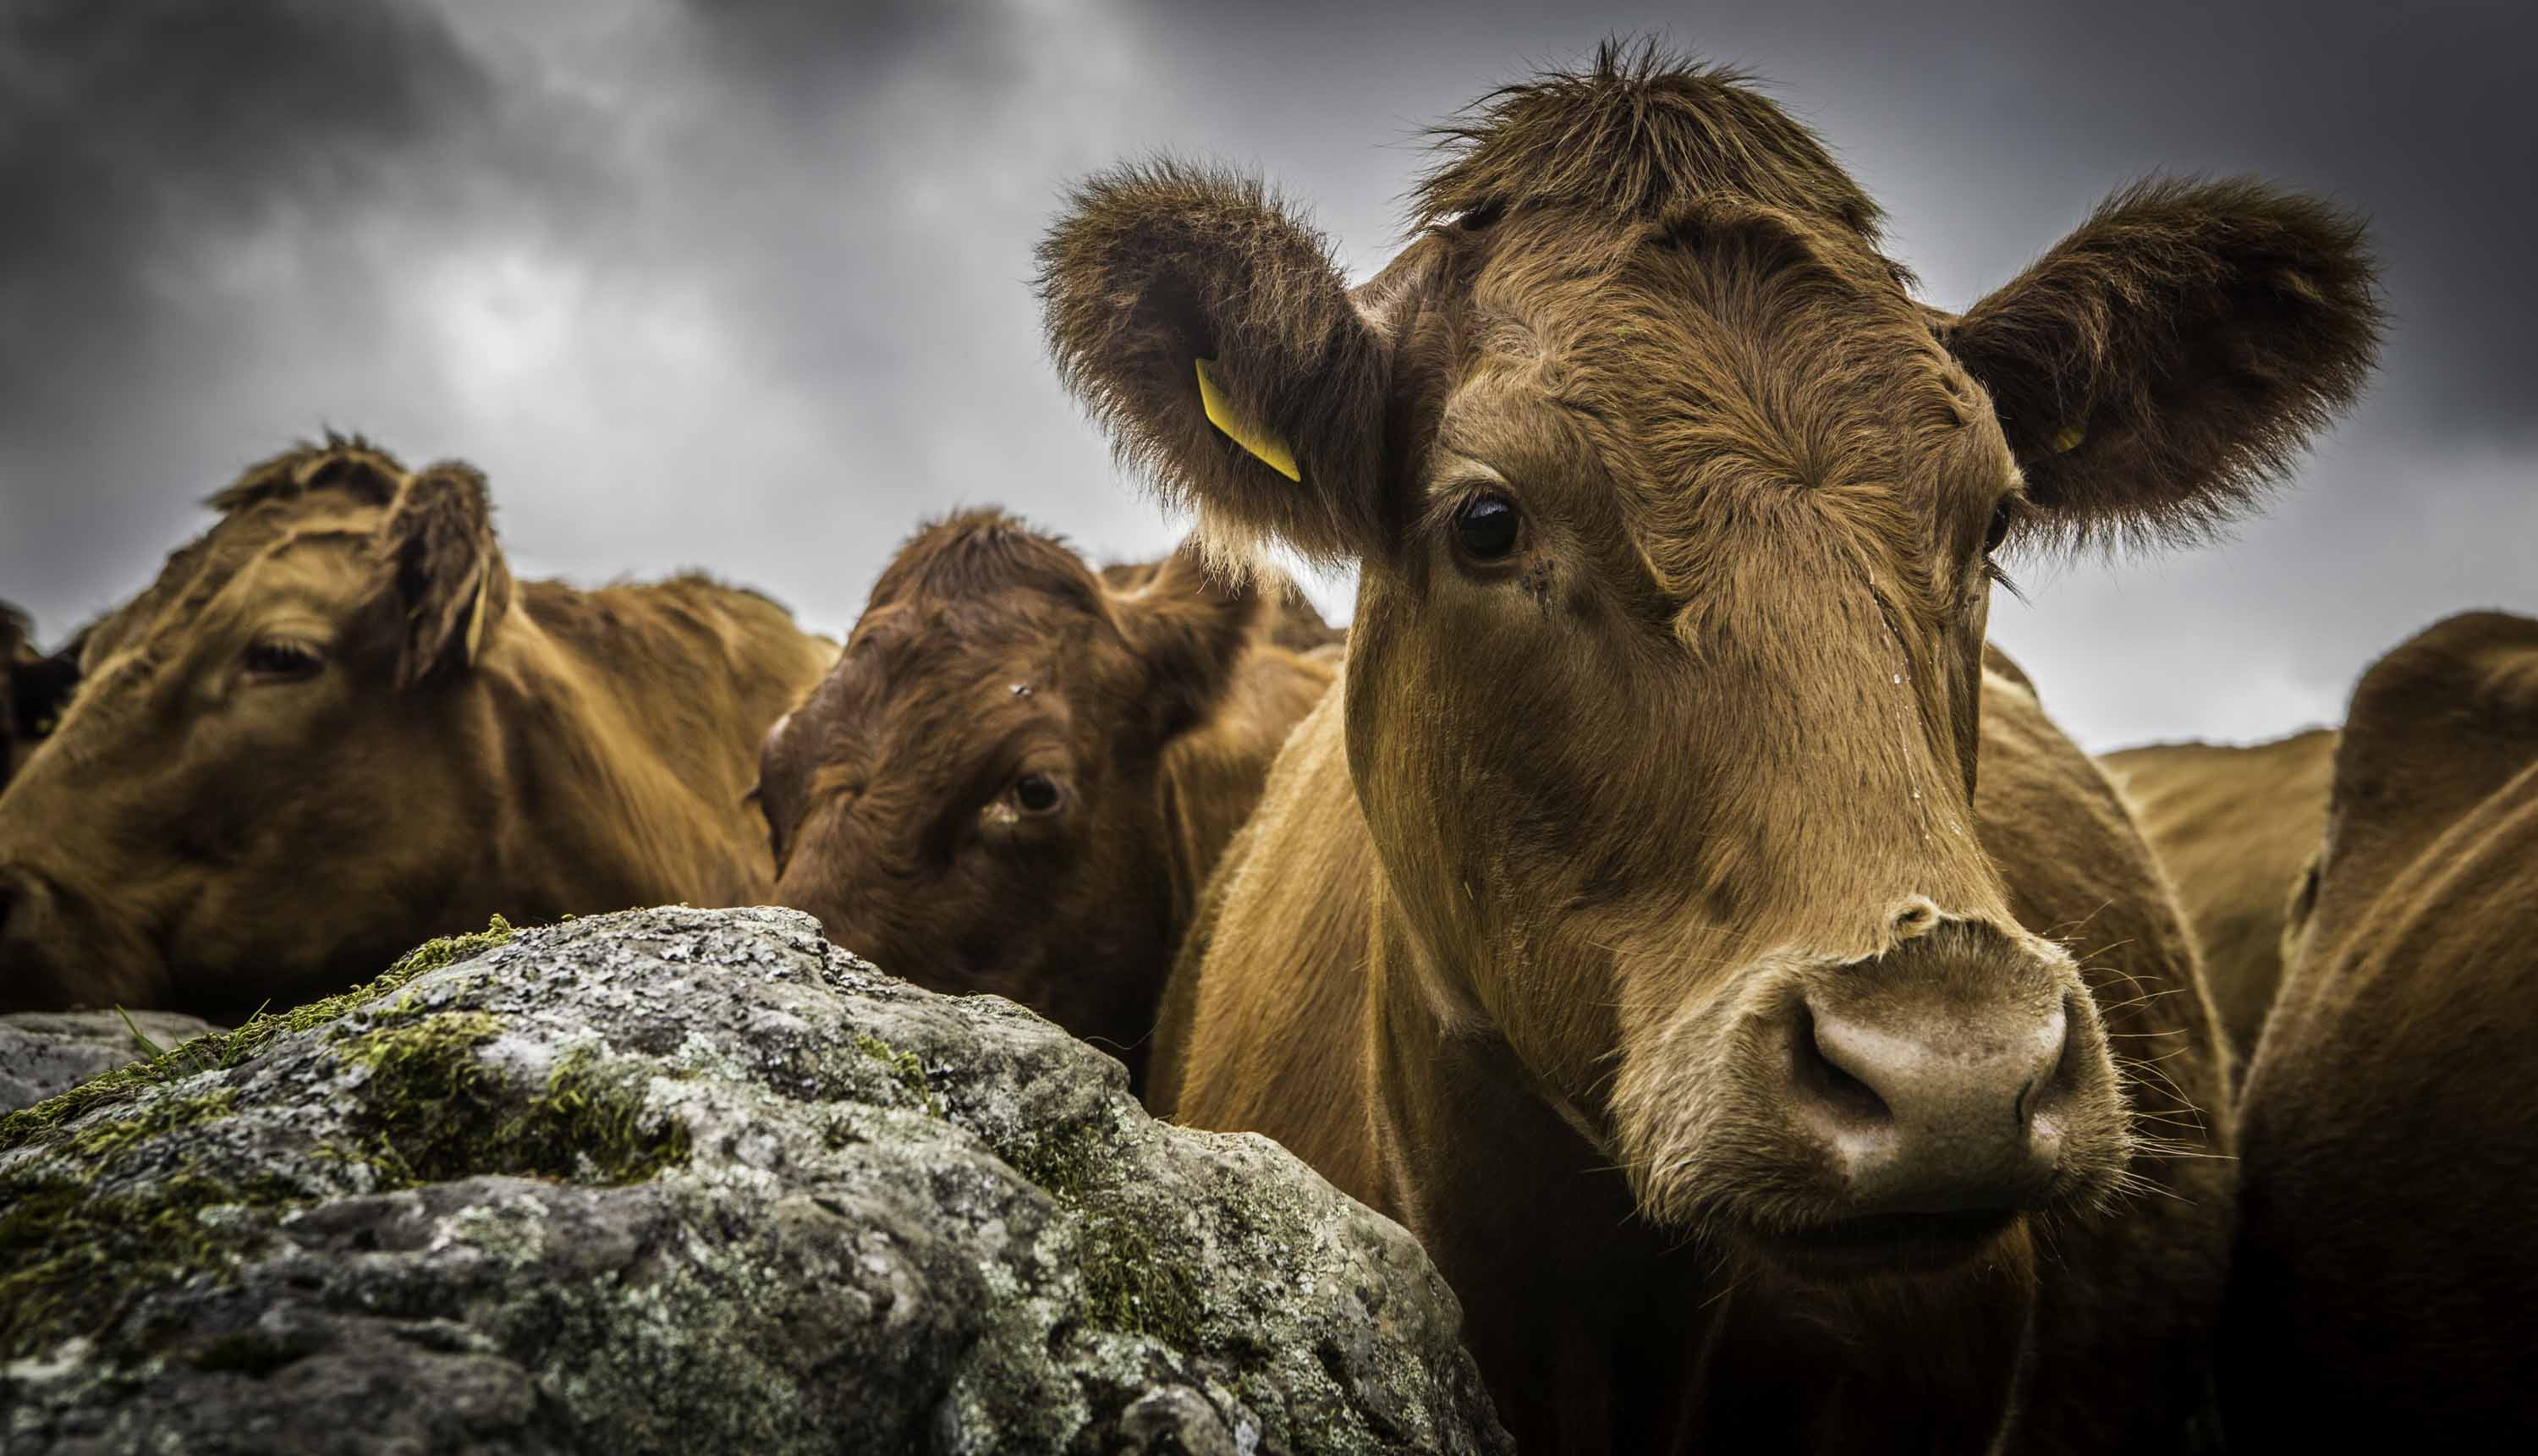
[[1936, 1109]]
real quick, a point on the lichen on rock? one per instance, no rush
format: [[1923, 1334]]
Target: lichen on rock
[[681, 1179]]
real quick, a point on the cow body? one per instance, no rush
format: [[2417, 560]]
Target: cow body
[[1748, 1070], [1020, 773], [335, 726], [2234, 827], [2385, 1271]]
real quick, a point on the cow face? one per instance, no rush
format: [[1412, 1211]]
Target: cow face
[[261, 779], [977, 796], [1675, 518], [33, 694]]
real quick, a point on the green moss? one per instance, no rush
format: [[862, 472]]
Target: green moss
[[1134, 1285], [1060, 1160], [73, 1261], [433, 1110], [103, 1140], [1132, 1282], [221, 1049], [903, 1066]]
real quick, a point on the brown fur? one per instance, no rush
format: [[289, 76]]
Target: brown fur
[[2235, 829], [1581, 826], [207, 832], [34, 687], [1152, 699], [2194, 334], [16, 653], [2385, 1273]]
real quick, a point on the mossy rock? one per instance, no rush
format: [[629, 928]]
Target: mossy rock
[[681, 1179]]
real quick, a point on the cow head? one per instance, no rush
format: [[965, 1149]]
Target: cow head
[[2444, 723], [978, 795], [261, 783], [35, 690], [18, 654], [1675, 517]]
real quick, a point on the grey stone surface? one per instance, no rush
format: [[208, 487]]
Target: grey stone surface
[[41, 1052], [696, 1182]]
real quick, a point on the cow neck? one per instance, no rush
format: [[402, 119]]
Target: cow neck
[[597, 801], [1527, 1218]]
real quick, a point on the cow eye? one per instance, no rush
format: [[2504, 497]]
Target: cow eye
[[282, 661], [1036, 793], [1998, 531], [1488, 526]]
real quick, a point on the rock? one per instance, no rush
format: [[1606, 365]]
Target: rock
[[41, 1052], [689, 1180]]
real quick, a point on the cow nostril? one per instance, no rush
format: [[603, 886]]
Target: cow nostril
[[1835, 1092], [2046, 1090]]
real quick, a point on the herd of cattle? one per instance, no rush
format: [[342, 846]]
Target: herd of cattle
[[1660, 898]]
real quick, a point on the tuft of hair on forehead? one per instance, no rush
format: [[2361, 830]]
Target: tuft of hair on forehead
[[973, 552], [1634, 136], [346, 462]]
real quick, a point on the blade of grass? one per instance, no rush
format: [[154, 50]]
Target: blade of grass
[[152, 1048]]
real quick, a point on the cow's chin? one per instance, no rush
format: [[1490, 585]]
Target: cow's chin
[[1869, 1246]]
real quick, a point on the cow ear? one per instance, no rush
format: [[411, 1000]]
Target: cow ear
[[1208, 330], [1190, 625], [445, 582], [2161, 366], [2443, 721]]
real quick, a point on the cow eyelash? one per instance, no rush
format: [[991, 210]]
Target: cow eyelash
[[284, 660], [2000, 578], [2010, 514]]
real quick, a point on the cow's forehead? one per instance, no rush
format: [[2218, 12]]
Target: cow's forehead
[[308, 540], [942, 675], [1707, 384]]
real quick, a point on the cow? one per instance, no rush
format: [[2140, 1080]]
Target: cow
[[337, 725], [2234, 827], [34, 687], [1019, 773], [1630, 920], [17, 654], [2386, 1271]]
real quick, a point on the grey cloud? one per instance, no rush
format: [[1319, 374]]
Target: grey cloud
[[131, 134]]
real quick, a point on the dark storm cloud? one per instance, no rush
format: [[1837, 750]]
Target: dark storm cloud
[[745, 282], [185, 183], [129, 133], [803, 49]]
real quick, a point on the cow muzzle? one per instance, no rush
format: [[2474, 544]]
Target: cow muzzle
[[1945, 1090], [1896, 1115]]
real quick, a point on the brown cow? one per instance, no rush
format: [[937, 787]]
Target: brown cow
[[1624, 922], [17, 654], [2233, 827], [2386, 1268], [1019, 773], [336, 725], [34, 687]]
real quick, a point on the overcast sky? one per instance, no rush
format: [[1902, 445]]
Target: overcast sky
[[745, 284]]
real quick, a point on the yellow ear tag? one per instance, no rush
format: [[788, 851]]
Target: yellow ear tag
[[476, 610], [1268, 449], [2067, 438]]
